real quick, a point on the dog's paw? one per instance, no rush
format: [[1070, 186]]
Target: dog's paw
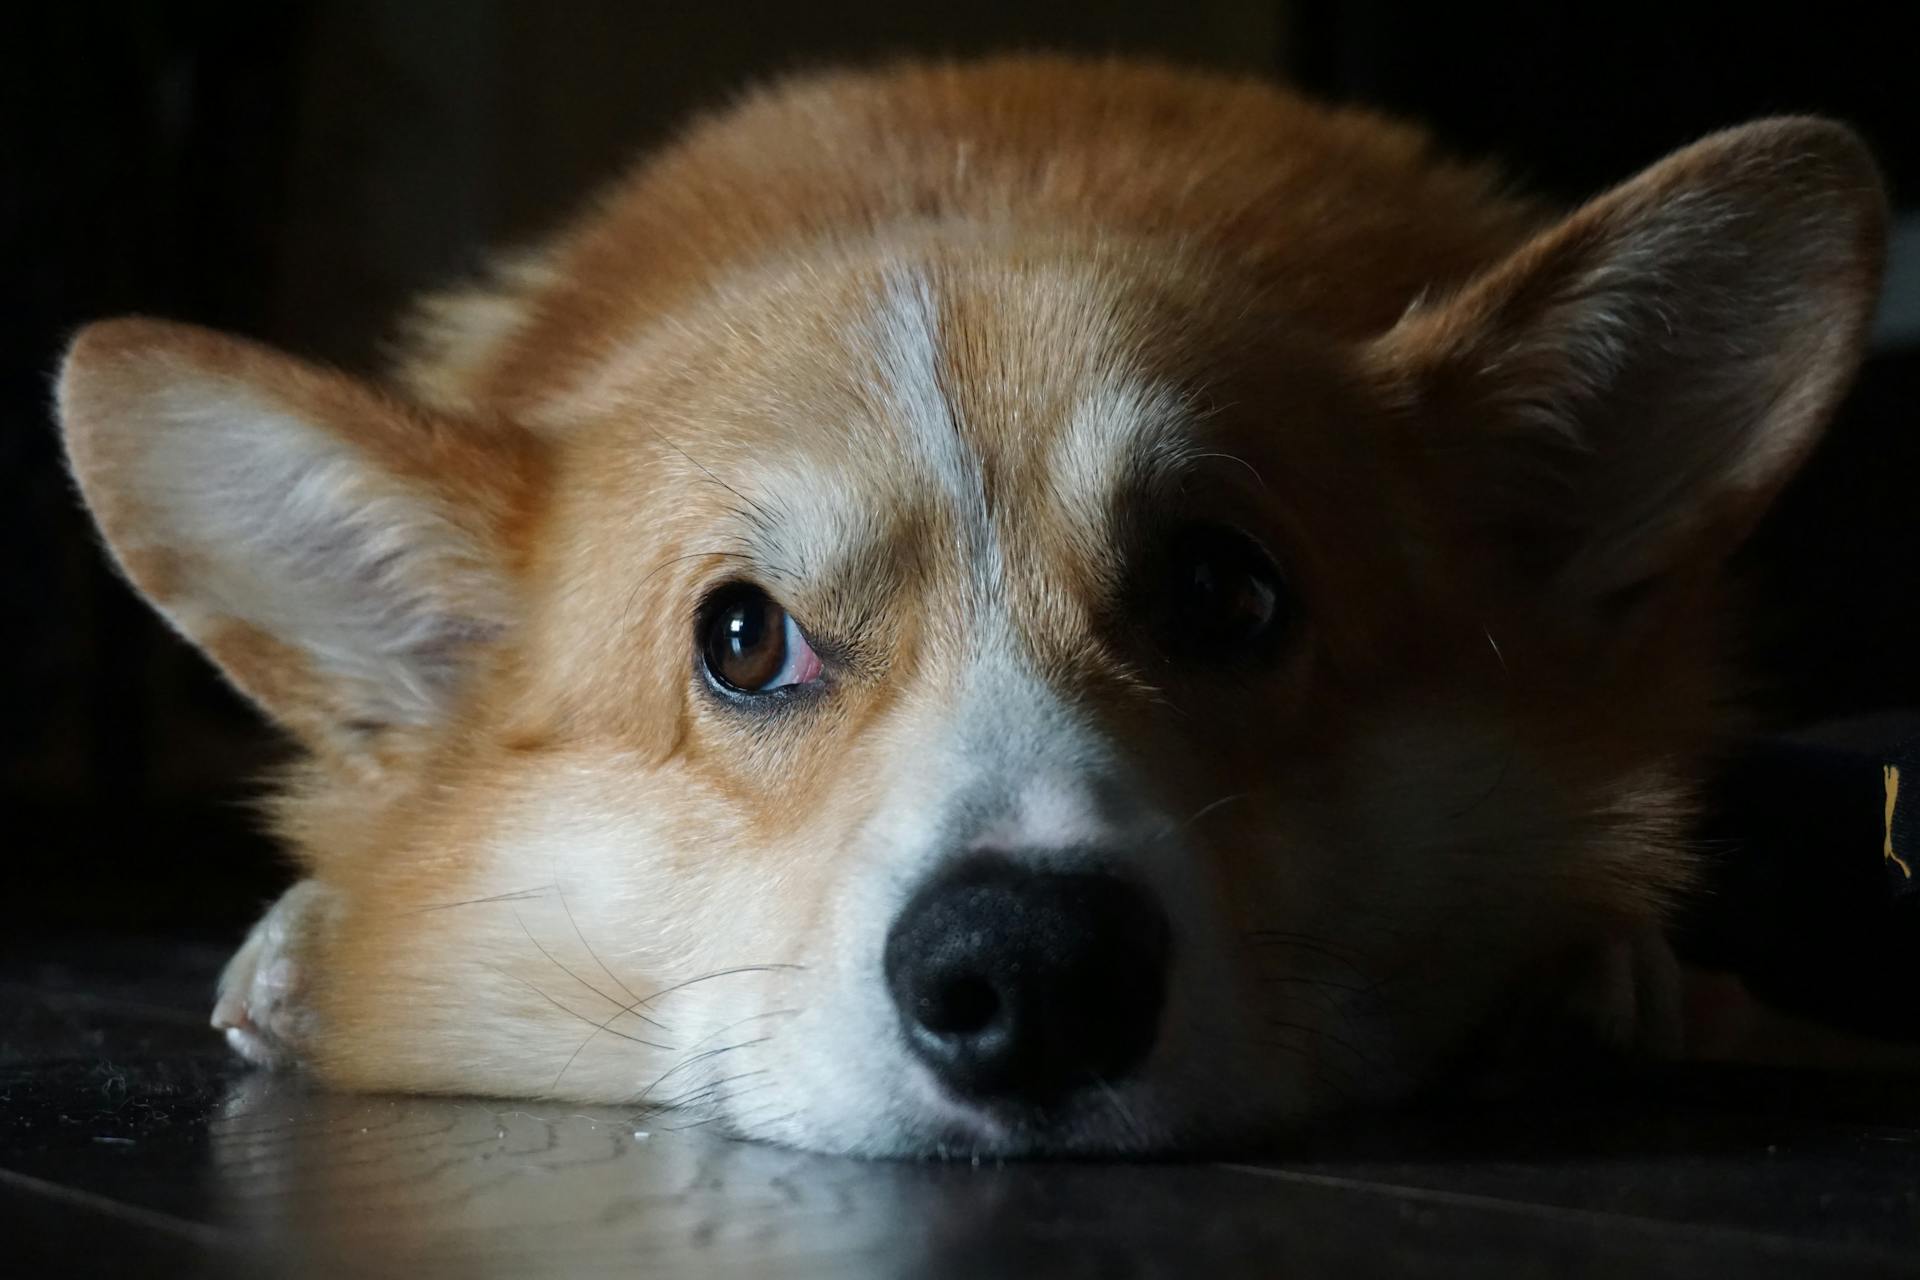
[[1598, 1012], [261, 1006], [1629, 996]]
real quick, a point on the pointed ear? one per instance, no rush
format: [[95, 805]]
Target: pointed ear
[[1624, 394], [338, 554]]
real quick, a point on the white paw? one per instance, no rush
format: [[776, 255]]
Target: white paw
[[261, 1006]]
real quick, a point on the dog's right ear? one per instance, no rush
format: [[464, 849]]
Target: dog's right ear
[[1621, 397], [340, 555]]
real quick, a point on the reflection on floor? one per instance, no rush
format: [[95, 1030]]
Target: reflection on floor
[[130, 1144]]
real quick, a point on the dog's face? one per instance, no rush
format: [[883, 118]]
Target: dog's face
[[987, 694], [944, 629]]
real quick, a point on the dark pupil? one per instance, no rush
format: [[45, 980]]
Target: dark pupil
[[1206, 587], [747, 648], [1227, 598], [746, 631]]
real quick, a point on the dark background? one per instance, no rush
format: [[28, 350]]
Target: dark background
[[293, 171]]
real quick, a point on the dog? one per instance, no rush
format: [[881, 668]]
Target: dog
[[1014, 607]]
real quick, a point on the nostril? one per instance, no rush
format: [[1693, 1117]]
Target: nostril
[[957, 1006], [1022, 984]]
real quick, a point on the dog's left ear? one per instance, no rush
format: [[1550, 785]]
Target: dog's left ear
[[344, 557], [1625, 393]]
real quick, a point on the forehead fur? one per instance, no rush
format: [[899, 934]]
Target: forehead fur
[[1021, 447], [831, 426]]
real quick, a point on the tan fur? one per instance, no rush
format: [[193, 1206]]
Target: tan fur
[[1227, 303]]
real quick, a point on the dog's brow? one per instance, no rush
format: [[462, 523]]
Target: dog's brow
[[1127, 434], [839, 533], [826, 544]]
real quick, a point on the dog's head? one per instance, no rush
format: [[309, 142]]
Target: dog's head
[[996, 692]]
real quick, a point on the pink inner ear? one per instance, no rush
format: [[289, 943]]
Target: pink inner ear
[[335, 552]]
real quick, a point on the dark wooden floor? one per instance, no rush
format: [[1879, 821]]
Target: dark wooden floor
[[129, 1144]]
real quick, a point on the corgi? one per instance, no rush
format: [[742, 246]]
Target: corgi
[[1016, 607]]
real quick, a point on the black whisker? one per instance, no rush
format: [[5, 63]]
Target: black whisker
[[753, 507], [664, 565], [638, 1002], [571, 1013], [1312, 946], [1506, 766], [686, 1062], [731, 1100], [740, 1121], [721, 973], [1358, 1054], [518, 895], [582, 981], [696, 1058], [741, 1022], [1316, 1062], [692, 1096], [682, 1128], [581, 1048], [562, 895]]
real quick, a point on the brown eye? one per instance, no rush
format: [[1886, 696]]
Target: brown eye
[[752, 645], [1220, 598]]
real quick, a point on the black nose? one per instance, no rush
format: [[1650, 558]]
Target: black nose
[[1021, 984]]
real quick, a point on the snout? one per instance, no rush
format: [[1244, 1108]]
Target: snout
[[1017, 985]]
